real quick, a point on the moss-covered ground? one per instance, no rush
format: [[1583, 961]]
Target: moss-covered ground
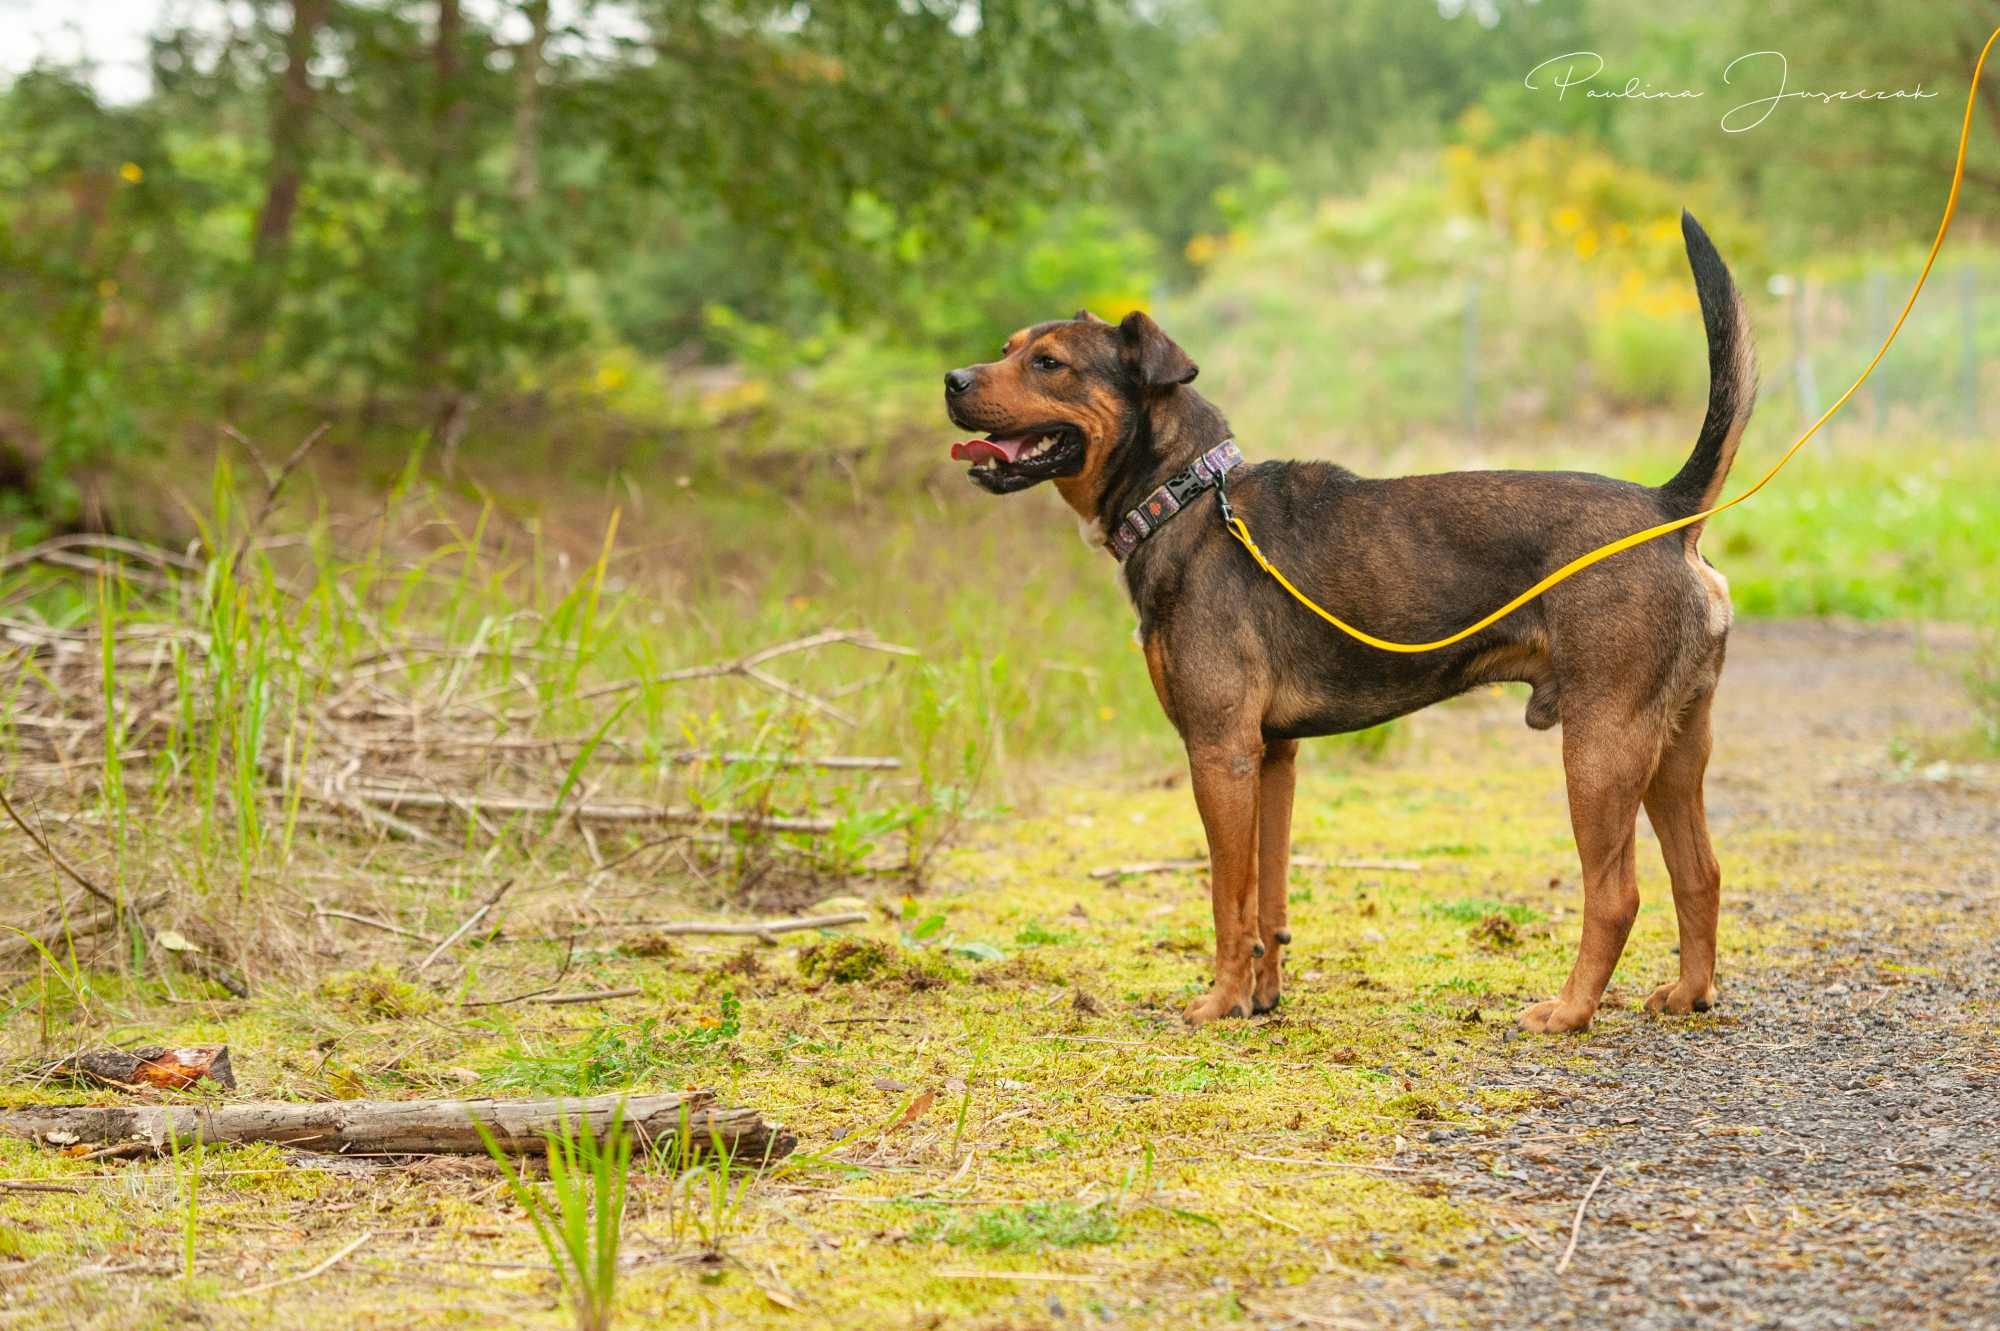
[[1002, 1120]]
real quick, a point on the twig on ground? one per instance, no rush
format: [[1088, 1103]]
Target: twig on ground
[[588, 997], [303, 1276], [768, 930], [492, 900], [93, 541], [751, 667], [324, 913], [1576, 1226], [55, 858], [395, 797]]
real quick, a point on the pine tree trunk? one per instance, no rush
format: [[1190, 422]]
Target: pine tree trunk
[[291, 121], [527, 175]]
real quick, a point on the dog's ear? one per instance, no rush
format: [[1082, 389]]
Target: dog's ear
[[1086, 317], [1156, 358]]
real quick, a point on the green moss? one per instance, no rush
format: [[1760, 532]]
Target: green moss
[[1024, 1228], [872, 961], [377, 992]]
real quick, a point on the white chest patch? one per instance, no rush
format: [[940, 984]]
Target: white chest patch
[[1092, 532]]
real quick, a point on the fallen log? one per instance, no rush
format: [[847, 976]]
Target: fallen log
[[411, 1127]]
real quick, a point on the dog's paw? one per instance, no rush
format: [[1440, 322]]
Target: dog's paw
[[1268, 992], [1679, 999], [1556, 1017], [1215, 1005]]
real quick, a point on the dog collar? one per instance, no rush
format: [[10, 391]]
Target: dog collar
[[1204, 473]]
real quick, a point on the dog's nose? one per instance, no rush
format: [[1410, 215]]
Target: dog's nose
[[957, 381]]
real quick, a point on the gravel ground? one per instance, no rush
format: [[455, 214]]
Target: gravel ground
[[1824, 1150]]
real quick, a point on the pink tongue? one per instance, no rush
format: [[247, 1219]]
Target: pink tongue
[[978, 450]]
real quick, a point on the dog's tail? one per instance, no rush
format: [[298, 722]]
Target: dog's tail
[[1732, 381]]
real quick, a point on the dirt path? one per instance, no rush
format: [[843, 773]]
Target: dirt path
[[1824, 1152]]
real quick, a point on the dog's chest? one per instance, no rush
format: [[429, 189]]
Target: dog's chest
[[1092, 532]]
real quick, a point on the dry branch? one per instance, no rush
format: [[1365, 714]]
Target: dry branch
[[768, 930], [204, 966], [485, 908], [751, 667], [55, 933], [398, 797], [1576, 1225], [408, 1127]]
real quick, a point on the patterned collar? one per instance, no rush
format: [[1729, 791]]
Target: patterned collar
[[1180, 490]]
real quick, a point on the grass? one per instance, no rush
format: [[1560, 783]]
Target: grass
[[581, 1229], [1095, 1140], [1982, 680], [989, 1076]]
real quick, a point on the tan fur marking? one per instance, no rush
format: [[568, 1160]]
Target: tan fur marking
[[1720, 612], [1100, 421], [1526, 661]]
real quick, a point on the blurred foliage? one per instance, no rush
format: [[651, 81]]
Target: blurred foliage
[[401, 210]]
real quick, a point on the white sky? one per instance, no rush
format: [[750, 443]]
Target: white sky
[[110, 33]]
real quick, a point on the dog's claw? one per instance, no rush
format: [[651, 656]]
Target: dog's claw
[[1676, 1001], [1216, 1005]]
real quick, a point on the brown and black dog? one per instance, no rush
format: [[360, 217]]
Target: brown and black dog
[[1625, 656]]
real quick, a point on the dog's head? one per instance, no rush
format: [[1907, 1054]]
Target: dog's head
[[1061, 398]]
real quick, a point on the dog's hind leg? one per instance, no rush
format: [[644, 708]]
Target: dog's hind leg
[[1608, 757], [1225, 775], [1275, 784], [1674, 804]]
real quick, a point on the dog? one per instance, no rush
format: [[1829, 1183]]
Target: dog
[[1625, 656]]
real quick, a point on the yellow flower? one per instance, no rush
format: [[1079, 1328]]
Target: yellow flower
[[1568, 220], [1586, 244], [1106, 713], [132, 173], [1202, 249]]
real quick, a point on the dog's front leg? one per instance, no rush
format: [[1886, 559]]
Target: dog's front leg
[[1225, 776], [1276, 780]]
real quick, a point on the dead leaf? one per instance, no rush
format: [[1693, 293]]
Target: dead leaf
[[918, 1108]]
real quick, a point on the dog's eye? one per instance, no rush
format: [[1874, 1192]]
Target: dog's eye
[[1047, 363]]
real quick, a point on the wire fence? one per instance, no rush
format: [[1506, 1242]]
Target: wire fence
[[1814, 336]]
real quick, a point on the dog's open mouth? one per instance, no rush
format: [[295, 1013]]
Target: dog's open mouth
[[1004, 463]]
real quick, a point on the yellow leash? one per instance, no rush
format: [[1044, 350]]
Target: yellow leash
[[1604, 552]]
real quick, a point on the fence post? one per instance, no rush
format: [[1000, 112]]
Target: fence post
[[1802, 368]]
